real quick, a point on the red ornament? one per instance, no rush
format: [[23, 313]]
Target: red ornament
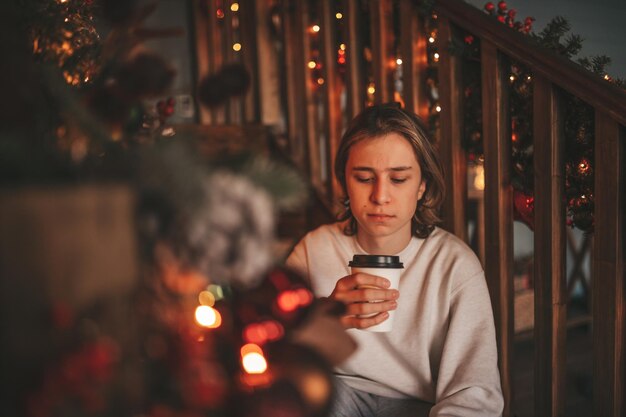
[[501, 19], [469, 39], [502, 6], [490, 7], [524, 208]]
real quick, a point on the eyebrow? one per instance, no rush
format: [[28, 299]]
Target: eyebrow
[[394, 169]]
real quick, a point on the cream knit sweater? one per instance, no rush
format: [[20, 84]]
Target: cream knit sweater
[[442, 348]]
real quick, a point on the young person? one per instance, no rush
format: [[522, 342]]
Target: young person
[[440, 358]]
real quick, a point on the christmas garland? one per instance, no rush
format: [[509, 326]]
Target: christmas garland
[[579, 117]]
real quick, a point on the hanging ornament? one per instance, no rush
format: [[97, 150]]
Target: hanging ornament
[[232, 80], [524, 205]]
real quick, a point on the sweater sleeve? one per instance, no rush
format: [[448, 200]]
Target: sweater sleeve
[[297, 260], [468, 381]]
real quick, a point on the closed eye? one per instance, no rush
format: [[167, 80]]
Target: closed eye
[[398, 180], [364, 179]]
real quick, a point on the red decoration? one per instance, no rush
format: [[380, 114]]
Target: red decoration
[[524, 208], [502, 6], [490, 7]]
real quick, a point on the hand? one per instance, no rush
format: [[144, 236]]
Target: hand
[[367, 299]]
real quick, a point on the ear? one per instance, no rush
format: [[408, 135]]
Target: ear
[[421, 190]]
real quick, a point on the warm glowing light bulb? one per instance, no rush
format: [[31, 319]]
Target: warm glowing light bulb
[[320, 81], [338, 15], [512, 78], [431, 40], [315, 28], [234, 7], [252, 359], [312, 64], [254, 363], [371, 89], [342, 46], [606, 77], [237, 47], [399, 61], [208, 317], [206, 298], [479, 179], [438, 108], [436, 56]]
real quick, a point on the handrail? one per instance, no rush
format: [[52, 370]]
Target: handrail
[[557, 69]]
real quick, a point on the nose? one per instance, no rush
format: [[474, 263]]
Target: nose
[[380, 193]]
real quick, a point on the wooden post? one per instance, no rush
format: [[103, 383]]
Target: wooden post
[[354, 73], [295, 71], [332, 90], [451, 151], [414, 60], [608, 269], [498, 207], [380, 12], [549, 262]]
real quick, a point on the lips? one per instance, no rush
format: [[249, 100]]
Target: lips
[[379, 217]]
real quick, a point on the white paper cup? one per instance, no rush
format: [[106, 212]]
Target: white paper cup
[[384, 266]]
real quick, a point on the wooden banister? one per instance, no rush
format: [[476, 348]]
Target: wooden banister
[[561, 71]]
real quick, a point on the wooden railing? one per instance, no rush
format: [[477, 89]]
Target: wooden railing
[[314, 120]]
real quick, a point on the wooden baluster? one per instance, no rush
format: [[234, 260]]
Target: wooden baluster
[[201, 31], [608, 269], [498, 206], [251, 108], [380, 13], [549, 262], [218, 114], [354, 73], [451, 151], [296, 53], [332, 92], [414, 60], [233, 115]]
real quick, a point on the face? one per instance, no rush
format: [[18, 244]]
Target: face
[[384, 184]]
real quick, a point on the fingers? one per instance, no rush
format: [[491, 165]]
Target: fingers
[[367, 299], [362, 287], [360, 279], [363, 309], [353, 322], [365, 294]]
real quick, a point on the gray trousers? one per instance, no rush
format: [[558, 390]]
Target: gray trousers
[[350, 402]]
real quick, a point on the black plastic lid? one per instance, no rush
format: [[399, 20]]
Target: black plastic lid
[[376, 261]]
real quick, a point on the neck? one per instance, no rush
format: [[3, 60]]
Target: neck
[[383, 245]]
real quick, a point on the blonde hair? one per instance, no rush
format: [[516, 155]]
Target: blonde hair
[[381, 120]]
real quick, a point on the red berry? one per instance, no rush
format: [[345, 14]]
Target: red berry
[[502, 5], [489, 7], [511, 13], [501, 19]]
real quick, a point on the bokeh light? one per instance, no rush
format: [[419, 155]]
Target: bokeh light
[[207, 316]]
